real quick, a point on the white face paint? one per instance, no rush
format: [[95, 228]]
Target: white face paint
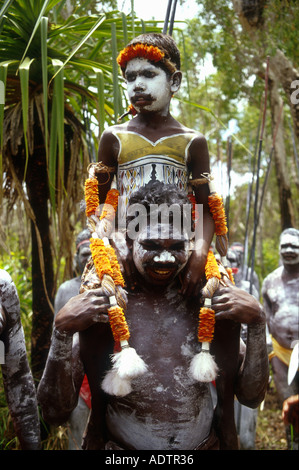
[[164, 257], [160, 259], [149, 88], [289, 249]]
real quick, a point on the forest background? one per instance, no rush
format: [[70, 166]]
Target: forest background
[[60, 87]]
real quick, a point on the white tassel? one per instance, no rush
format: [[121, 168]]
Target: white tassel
[[203, 367], [128, 364], [114, 385]]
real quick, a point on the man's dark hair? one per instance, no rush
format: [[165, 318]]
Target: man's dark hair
[[83, 236], [290, 231], [158, 193]]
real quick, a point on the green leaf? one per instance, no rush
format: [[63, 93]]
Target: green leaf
[[43, 9], [96, 25], [58, 103], [24, 79], [3, 75], [125, 29], [115, 72], [44, 35], [101, 98]]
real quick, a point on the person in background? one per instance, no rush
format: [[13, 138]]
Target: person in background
[[79, 417], [280, 297], [245, 417], [17, 377]]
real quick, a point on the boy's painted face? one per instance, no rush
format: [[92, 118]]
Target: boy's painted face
[[149, 87]]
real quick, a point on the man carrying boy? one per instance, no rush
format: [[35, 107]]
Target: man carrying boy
[[155, 146], [167, 408]]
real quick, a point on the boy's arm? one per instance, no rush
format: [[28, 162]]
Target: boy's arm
[[195, 270], [107, 154]]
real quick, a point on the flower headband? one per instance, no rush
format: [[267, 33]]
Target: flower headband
[[151, 53]]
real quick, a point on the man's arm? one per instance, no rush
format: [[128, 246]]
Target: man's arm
[[57, 392], [59, 388], [267, 303], [17, 378], [238, 305]]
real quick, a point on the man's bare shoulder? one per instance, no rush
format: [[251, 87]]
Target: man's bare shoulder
[[273, 278]]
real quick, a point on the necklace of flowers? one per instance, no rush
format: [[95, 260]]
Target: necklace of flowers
[[126, 362]]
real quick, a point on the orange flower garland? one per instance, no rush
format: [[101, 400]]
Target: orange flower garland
[[100, 258], [104, 257], [218, 213], [211, 268], [110, 205], [206, 325], [151, 53], [192, 200], [207, 315], [118, 323], [230, 274], [91, 196], [117, 275]]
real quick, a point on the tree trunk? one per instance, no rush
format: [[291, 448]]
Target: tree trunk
[[282, 174], [37, 187], [287, 75], [283, 74], [251, 20]]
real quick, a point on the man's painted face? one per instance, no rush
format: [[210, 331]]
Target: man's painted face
[[160, 259], [289, 249], [149, 88]]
